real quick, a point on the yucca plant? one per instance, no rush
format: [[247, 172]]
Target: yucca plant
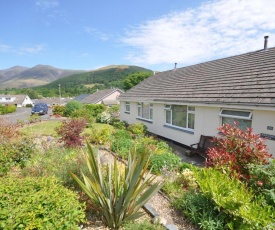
[[120, 195]]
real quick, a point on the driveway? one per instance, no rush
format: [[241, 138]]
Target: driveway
[[23, 114]]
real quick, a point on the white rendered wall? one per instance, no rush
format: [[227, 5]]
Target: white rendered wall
[[207, 120]]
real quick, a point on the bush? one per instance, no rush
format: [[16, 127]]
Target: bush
[[236, 149], [119, 194], [122, 142], [137, 129], [8, 130], [56, 162], [38, 203], [16, 152], [59, 110], [5, 109], [34, 118], [104, 117], [263, 181], [201, 211], [95, 109], [118, 124], [72, 106], [164, 162], [70, 132], [100, 136], [231, 195]]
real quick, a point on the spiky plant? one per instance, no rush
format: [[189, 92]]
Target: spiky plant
[[120, 195]]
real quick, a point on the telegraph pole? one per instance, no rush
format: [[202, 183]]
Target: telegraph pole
[[59, 93]]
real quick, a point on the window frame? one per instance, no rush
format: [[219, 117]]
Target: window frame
[[237, 117], [141, 111], [127, 107], [168, 107], [249, 117]]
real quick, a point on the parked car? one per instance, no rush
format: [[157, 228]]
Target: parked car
[[40, 108]]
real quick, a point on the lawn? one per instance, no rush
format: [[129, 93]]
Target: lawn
[[42, 128]]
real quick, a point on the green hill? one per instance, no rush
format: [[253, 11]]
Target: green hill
[[88, 82]]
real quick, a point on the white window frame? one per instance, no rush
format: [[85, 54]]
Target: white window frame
[[127, 107], [141, 110], [238, 117], [188, 111], [249, 117]]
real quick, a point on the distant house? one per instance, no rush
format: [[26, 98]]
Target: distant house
[[107, 97], [53, 101], [184, 103], [18, 100]]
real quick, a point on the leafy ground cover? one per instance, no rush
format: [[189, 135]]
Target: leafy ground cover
[[220, 196]]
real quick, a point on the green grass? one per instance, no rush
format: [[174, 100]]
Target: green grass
[[41, 128], [46, 128], [98, 127]]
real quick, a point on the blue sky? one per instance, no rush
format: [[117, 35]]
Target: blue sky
[[88, 34]]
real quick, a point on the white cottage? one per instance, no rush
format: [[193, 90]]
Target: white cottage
[[183, 104], [18, 100]]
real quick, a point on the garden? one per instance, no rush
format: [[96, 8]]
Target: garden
[[92, 171]]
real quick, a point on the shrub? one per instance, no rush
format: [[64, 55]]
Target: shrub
[[114, 111], [231, 195], [100, 136], [164, 162], [56, 162], [34, 118], [201, 211], [16, 152], [70, 132], [8, 130], [59, 110], [38, 203], [95, 109], [122, 142], [137, 129], [104, 117], [263, 180], [118, 124], [236, 149], [120, 195], [5, 109], [72, 106]]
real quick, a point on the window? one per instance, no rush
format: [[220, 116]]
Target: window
[[244, 118], [145, 110], [127, 107], [180, 115]]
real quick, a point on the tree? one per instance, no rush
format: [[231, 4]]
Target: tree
[[135, 79]]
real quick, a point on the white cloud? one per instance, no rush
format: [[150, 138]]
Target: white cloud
[[32, 49], [46, 4], [215, 29], [5, 48], [97, 34]]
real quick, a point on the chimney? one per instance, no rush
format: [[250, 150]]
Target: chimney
[[175, 65], [265, 42]]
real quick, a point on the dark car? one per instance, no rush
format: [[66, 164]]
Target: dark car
[[40, 108]]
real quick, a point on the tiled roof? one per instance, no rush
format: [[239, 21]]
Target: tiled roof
[[19, 99], [243, 79], [81, 97], [98, 96]]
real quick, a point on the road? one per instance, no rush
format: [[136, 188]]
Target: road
[[23, 114]]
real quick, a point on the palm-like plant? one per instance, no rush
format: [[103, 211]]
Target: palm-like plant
[[119, 194]]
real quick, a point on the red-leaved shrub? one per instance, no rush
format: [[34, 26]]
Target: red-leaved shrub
[[235, 149], [70, 131]]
